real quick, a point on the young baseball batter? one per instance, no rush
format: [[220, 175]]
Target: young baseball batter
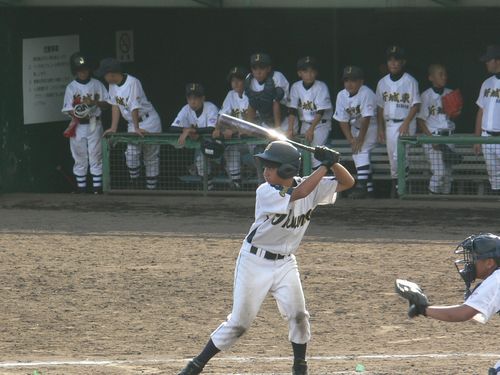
[[481, 260], [197, 117], [235, 104], [432, 120], [128, 99], [398, 101], [488, 116], [85, 140], [355, 110], [310, 101], [267, 92], [266, 262]]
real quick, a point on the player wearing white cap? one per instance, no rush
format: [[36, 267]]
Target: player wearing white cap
[[398, 99], [355, 110]]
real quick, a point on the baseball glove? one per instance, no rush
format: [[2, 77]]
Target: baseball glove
[[415, 295], [450, 157], [452, 103]]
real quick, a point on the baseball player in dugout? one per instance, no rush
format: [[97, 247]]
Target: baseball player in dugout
[[488, 116], [235, 104], [197, 118], [267, 92], [309, 100], [355, 111], [480, 259], [266, 262], [433, 120], [84, 99], [127, 98], [398, 101]]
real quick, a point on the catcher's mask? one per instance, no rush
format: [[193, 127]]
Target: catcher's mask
[[473, 248], [212, 148]]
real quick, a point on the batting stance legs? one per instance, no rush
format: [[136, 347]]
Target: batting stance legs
[[254, 278]]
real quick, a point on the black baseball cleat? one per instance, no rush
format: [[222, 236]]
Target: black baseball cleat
[[192, 368], [299, 367]]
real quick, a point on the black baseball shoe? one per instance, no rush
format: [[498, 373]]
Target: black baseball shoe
[[299, 367], [192, 368]]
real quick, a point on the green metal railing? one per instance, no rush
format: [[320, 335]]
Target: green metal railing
[[112, 140]]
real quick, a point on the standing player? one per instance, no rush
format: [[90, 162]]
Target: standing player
[[85, 142], [197, 117], [128, 99], [267, 92], [266, 263], [310, 101], [235, 104], [432, 120], [355, 110], [488, 116], [481, 259], [398, 100]]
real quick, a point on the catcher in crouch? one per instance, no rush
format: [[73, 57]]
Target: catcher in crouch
[[481, 260]]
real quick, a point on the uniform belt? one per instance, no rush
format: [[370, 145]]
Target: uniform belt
[[323, 121], [396, 120], [444, 132], [86, 121], [494, 134], [267, 254]]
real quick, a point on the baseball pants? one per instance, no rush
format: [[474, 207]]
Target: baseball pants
[[491, 154], [320, 137], [392, 136], [86, 149], [440, 181], [254, 278]]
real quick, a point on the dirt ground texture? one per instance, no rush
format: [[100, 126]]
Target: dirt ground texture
[[135, 285]]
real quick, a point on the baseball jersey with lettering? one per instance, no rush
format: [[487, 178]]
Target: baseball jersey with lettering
[[76, 92], [279, 81], [187, 118], [486, 298], [397, 98], [489, 102], [235, 105], [431, 111], [352, 109], [280, 224], [130, 96], [309, 101]]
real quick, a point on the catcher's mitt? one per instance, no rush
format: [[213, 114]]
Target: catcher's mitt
[[415, 295], [452, 103], [450, 157]]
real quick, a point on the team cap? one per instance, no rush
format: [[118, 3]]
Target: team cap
[[492, 52], [395, 51], [238, 72], [352, 72], [307, 62], [260, 59], [108, 65], [195, 89]]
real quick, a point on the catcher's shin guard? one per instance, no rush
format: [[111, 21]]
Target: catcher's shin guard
[[192, 368]]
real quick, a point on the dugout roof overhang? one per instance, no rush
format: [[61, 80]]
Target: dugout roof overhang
[[256, 3]]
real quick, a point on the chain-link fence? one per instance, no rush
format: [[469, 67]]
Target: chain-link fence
[[444, 166], [157, 163]]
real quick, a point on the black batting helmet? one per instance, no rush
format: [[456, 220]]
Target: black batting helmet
[[284, 155], [78, 61]]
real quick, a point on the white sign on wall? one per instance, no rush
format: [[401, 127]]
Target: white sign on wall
[[125, 46], [46, 73]]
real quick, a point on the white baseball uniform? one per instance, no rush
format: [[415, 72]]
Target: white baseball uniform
[[489, 102], [279, 81], [396, 98], [486, 298], [431, 111], [277, 231], [187, 118], [307, 102], [236, 106], [130, 96], [351, 110], [86, 144]]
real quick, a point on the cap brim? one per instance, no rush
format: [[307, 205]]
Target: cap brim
[[485, 58]]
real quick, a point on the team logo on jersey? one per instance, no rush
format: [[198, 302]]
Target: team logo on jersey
[[491, 93], [307, 106], [122, 101], [402, 100], [238, 112], [290, 221], [435, 110], [354, 112]]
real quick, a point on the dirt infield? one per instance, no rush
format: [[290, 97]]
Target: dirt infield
[[134, 285]]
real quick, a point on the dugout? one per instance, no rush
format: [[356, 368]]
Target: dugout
[[180, 41]]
